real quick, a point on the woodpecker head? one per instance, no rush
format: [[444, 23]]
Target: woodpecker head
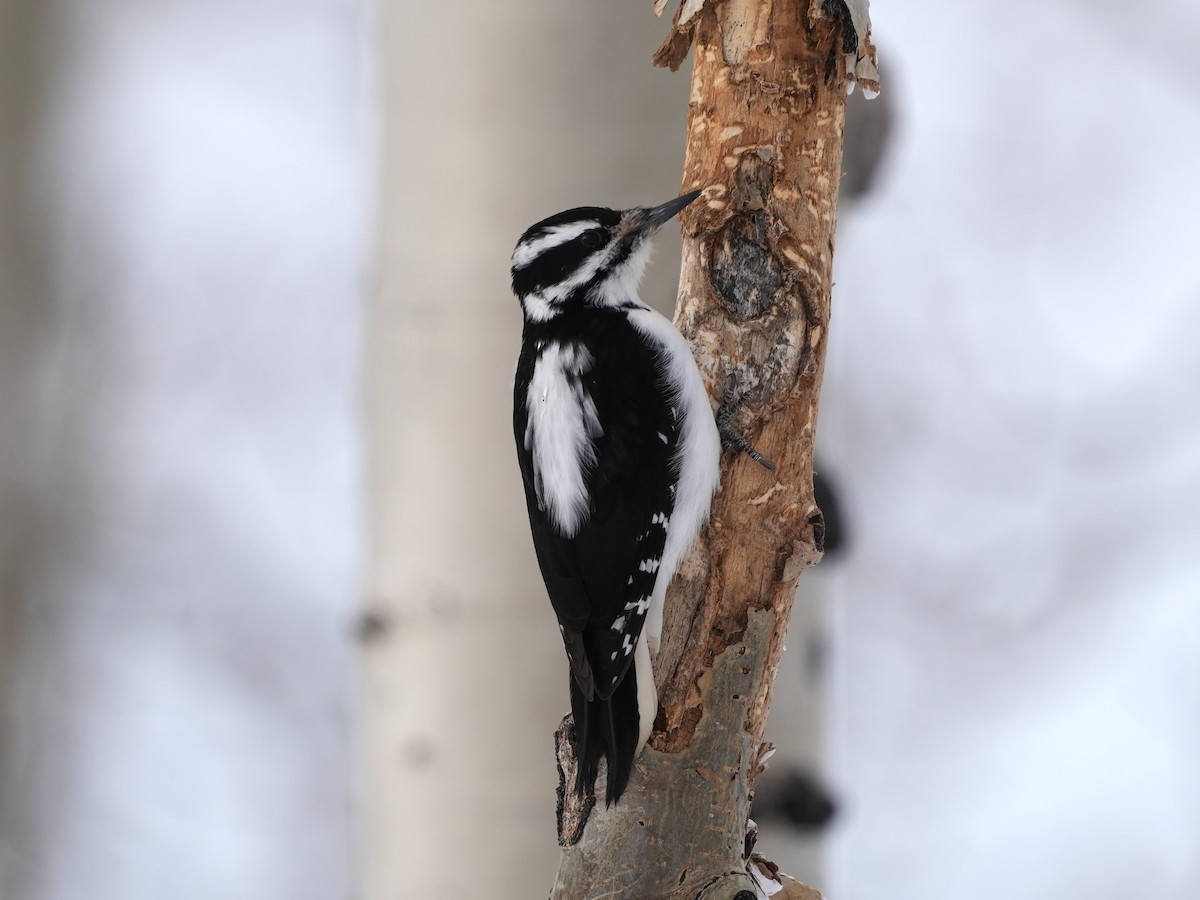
[[588, 255]]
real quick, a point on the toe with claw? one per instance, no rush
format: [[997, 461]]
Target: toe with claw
[[731, 438]]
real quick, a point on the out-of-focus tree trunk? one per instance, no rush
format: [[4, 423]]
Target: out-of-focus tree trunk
[[764, 142], [180, 259], [23, 311], [464, 672]]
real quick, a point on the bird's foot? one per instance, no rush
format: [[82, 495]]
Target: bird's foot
[[732, 439]]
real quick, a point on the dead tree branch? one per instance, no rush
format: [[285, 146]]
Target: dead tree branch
[[765, 143]]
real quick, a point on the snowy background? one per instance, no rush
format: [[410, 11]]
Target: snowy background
[[183, 288], [1013, 402], [188, 236]]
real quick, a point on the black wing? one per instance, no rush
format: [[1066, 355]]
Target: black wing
[[600, 579]]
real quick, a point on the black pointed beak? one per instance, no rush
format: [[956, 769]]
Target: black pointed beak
[[657, 215]]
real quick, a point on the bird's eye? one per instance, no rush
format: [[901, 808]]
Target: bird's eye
[[591, 239]]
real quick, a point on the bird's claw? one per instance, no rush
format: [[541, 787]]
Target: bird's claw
[[731, 438]]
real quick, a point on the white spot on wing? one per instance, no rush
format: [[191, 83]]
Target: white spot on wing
[[638, 607]]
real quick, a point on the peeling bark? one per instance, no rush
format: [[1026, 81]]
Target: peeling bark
[[765, 143]]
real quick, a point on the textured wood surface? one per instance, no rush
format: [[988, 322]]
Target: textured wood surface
[[765, 131], [764, 142]]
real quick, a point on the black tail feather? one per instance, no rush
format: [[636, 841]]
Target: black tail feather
[[607, 728]]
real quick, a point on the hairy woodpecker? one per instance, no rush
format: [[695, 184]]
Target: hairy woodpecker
[[619, 452]]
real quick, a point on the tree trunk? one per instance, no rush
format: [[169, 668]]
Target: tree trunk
[[765, 143]]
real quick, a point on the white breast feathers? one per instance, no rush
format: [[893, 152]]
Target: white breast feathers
[[561, 432]]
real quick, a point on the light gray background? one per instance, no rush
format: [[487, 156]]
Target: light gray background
[[198, 202]]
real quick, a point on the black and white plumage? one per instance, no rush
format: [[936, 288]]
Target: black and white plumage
[[619, 452]]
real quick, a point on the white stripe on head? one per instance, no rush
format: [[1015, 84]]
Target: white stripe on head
[[540, 305], [554, 236], [556, 293]]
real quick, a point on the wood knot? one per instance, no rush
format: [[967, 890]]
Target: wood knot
[[817, 523], [745, 273]]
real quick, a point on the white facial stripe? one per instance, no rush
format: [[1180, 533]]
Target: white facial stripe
[[555, 236], [539, 306], [585, 273], [561, 432], [622, 287]]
